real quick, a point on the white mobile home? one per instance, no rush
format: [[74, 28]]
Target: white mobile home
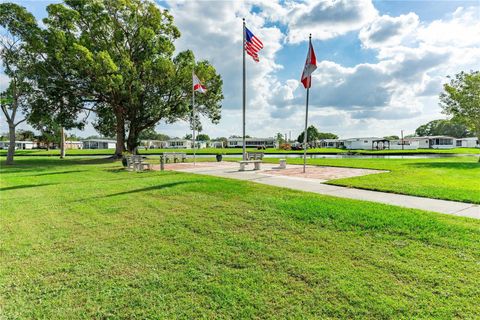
[[179, 144], [330, 143], [434, 142], [19, 145], [251, 142], [216, 144], [73, 144], [405, 144], [154, 144], [99, 144], [200, 144], [368, 143], [467, 143]]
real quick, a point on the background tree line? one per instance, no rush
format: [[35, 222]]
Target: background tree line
[[443, 127], [313, 134]]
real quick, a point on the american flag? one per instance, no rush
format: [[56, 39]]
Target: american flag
[[252, 44]]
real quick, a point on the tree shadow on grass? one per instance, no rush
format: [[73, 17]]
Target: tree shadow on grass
[[56, 172], [26, 164], [23, 186], [446, 165], [95, 161], [152, 188]]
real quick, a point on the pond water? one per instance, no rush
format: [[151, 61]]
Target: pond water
[[310, 156], [347, 156]]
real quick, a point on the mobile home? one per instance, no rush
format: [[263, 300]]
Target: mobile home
[[99, 144], [330, 143], [73, 144], [179, 144], [467, 143], [19, 145], [368, 143], [405, 144], [435, 142], [251, 142], [154, 144]]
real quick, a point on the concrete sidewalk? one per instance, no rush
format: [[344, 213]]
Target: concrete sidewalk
[[317, 186]]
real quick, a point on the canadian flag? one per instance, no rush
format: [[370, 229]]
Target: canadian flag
[[197, 85], [310, 66]]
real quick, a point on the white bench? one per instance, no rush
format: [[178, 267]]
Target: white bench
[[174, 156], [256, 164], [254, 156], [136, 163]]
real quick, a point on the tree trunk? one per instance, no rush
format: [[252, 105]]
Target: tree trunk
[[62, 143], [132, 141], [120, 133], [11, 146], [478, 139]]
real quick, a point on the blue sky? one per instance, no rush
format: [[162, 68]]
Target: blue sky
[[381, 64]]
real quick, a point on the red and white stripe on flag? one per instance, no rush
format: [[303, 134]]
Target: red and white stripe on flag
[[197, 85], [310, 66], [252, 44]]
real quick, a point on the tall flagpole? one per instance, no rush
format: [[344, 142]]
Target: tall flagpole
[[244, 93], [305, 133], [193, 113]]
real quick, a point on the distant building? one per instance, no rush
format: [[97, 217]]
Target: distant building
[[434, 142], [216, 144], [179, 144], [201, 144], [405, 144], [467, 143], [252, 142], [73, 144], [99, 144], [330, 143], [154, 144], [368, 143], [19, 145]]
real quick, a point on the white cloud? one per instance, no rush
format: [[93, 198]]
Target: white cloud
[[214, 32], [400, 90], [389, 31], [461, 30], [326, 19]]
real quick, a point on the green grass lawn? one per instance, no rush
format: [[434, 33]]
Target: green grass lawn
[[86, 152], [455, 178], [83, 239]]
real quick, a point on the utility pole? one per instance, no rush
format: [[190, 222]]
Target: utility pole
[[402, 140], [62, 143]]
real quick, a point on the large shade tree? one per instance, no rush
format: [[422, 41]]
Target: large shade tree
[[17, 42], [461, 99], [313, 134], [116, 58]]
